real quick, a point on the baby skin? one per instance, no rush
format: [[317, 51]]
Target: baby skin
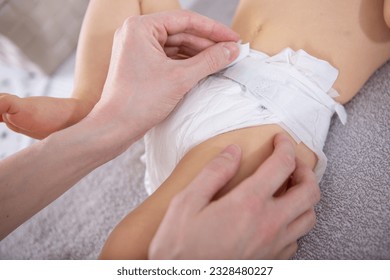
[[352, 35]]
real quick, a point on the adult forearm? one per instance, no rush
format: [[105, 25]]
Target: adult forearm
[[36, 176]]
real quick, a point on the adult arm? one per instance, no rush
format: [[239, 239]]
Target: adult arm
[[36, 176], [33, 178]]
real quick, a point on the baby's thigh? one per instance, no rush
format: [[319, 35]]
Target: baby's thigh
[[256, 144]]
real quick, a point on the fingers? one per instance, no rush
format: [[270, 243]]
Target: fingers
[[303, 194], [301, 226], [188, 22], [210, 61], [186, 45], [288, 252], [272, 174], [303, 174], [189, 41], [180, 52], [186, 33], [211, 179]]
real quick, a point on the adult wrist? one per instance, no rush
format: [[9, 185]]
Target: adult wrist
[[107, 134]]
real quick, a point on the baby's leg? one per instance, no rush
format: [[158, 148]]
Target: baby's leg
[[131, 238], [103, 18]]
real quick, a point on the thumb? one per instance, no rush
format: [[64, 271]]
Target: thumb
[[211, 60], [214, 176]]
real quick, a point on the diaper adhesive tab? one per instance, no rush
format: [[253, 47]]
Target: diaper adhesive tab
[[244, 52]]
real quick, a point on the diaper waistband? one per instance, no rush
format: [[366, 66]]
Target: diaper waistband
[[318, 71], [316, 74]]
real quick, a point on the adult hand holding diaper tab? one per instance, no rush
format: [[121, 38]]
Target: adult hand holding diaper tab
[[163, 76], [244, 50]]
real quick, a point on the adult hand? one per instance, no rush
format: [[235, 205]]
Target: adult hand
[[145, 81], [249, 222]]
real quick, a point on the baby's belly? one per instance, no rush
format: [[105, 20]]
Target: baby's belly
[[354, 42]]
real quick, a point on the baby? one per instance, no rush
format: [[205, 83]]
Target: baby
[[308, 57]]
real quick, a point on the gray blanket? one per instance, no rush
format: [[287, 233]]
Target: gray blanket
[[353, 214]]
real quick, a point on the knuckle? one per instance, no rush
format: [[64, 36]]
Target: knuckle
[[287, 162], [134, 25], [130, 22], [219, 169], [127, 29]]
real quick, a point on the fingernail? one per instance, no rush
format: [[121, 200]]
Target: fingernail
[[230, 50], [232, 152]]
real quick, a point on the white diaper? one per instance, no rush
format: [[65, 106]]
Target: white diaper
[[291, 89]]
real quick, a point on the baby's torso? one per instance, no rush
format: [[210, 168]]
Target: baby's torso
[[350, 34]]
